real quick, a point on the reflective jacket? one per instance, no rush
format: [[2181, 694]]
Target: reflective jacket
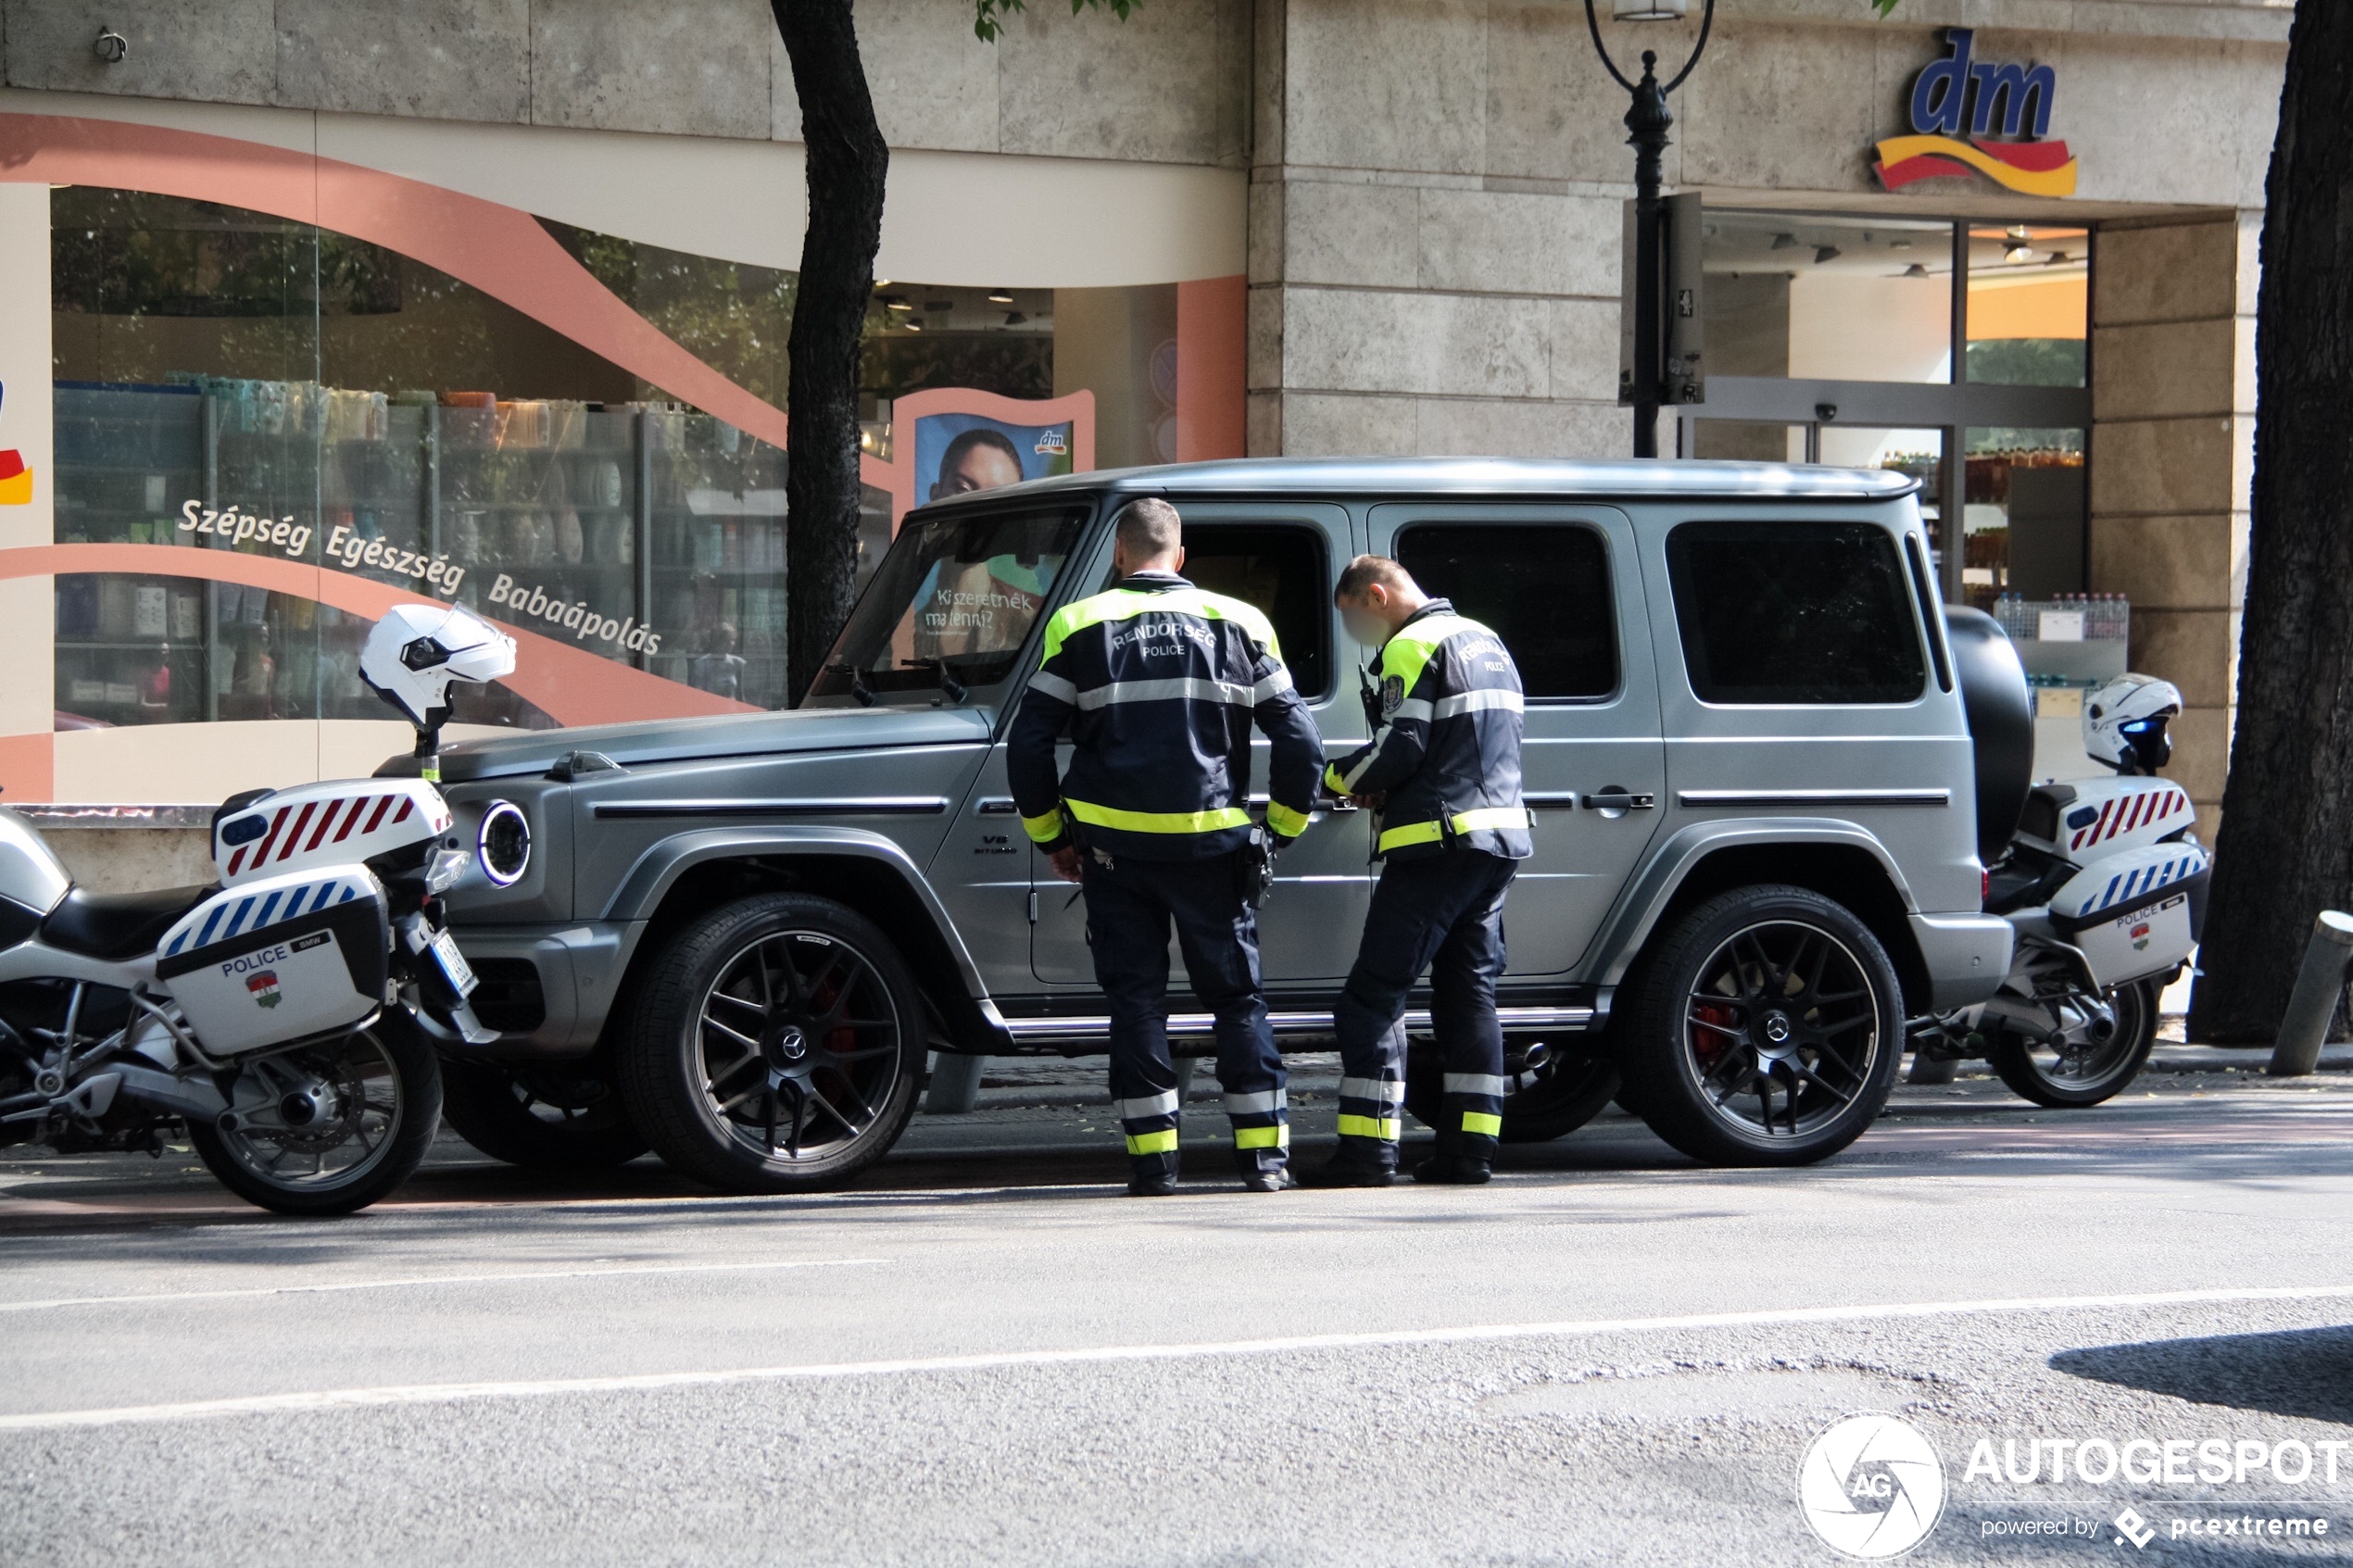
[[1445, 749], [1160, 682]]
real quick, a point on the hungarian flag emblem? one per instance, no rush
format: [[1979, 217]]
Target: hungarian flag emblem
[[264, 987]]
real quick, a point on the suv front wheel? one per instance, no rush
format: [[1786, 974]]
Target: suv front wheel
[[1765, 1029], [775, 1046]]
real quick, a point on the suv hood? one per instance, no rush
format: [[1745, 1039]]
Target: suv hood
[[731, 735]]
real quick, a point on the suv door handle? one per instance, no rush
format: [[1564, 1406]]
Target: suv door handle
[[1617, 800]]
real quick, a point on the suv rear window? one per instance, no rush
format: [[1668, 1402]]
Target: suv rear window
[[1794, 612], [1280, 568], [1542, 587]]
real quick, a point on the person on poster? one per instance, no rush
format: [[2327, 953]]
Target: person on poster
[[983, 605]]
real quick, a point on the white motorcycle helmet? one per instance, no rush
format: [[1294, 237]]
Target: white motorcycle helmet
[[416, 650], [2125, 724]]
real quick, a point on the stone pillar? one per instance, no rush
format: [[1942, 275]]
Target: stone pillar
[[1432, 267], [2172, 462]]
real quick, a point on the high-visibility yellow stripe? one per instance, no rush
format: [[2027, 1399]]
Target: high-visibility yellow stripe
[[1044, 828], [1125, 604], [1384, 1128], [1333, 781], [1160, 822], [1283, 820], [1496, 817], [1161, 1142], [1479, 1122], [1404, 654], [1262, 1137]]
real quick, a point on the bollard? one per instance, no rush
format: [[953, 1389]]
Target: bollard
[[955, 1085], [2319, 985]]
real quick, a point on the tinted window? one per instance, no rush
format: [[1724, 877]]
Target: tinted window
[[1281, 569], [1544, 589], [1810, 613]]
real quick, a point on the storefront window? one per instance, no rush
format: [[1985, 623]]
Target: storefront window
[[1828, 299], [2024, 514], [2028, 306]]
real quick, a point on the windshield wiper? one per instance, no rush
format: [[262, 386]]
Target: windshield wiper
[[956, 690], [858, 687]]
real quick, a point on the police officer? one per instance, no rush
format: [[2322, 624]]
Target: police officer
[[1442, 770], [1160, 682]]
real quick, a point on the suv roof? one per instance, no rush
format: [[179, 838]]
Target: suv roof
[[1482, 476]]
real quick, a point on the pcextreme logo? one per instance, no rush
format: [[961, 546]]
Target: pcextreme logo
[[16, 480], [1871, 1487], [1960, 93]]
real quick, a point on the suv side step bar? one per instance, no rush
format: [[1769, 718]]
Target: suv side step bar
[[1196, 1025]]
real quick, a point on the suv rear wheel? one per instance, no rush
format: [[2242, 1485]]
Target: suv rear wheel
[[1765, 1028], [775, 1046], [548, 1118]]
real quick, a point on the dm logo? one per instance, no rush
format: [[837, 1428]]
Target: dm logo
[[16, 480], [1871, 1487], [1961, 95], [264, 987]]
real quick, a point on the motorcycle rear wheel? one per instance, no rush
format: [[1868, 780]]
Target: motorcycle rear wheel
[[343, 1125], [2082, 1073]]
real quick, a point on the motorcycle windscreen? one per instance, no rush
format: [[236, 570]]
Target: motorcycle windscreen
[[2137, 913], [280, 960]]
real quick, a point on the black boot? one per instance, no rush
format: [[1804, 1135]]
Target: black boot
[[1460, 1160], [1355, 1167], [1152, 1177]]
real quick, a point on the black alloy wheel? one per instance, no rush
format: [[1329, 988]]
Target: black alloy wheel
[[1766, 1029], [775, 1045], [2093, 1050], [560, 1116]]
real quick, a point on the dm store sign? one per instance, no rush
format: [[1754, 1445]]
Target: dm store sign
[[1985, 116]]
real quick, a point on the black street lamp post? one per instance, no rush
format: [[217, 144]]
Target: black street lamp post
[[1649, 121]]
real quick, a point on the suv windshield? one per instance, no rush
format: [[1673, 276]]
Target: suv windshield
[[951, 604]]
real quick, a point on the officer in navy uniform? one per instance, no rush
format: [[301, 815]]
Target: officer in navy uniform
[[1442, 770], [1160, 682]]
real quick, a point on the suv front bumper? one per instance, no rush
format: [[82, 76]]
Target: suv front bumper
[[579, 966]]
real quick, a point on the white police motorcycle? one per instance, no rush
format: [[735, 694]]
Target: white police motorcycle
[[285, 1017], [2106, 889]]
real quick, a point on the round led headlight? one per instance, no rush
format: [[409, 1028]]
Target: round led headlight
[[503, 845]]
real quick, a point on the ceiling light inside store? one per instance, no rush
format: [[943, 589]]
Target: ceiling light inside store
[[1648, 11], [1001, 296], [2056, 258], [1015, 318], [1827, 253], [1916, 270], [2017, 254], [914, 326], [1784, 242], [896, 305]]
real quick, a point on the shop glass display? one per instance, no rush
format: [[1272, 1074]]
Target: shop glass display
[[1814, 298]]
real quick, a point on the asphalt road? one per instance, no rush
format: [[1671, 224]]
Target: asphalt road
[[986, 1355]]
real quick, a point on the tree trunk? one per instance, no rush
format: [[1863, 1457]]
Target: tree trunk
[[2286, 846], [848, 163]]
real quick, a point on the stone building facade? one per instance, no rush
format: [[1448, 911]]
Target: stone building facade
[[1386, 226]]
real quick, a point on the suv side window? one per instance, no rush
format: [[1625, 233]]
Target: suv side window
[[1542, 587], [1794, 612], [1281, 568]]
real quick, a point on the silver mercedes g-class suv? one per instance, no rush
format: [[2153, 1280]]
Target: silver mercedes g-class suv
[[1757, 850]]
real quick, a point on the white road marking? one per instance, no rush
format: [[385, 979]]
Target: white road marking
[[446, 1393], [137, 1300]]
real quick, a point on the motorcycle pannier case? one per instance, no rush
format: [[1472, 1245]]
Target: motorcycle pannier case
[[2135, 914], [280, 958]]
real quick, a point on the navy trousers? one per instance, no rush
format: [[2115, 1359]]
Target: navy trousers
[[1130, 905], [1443, 913]]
